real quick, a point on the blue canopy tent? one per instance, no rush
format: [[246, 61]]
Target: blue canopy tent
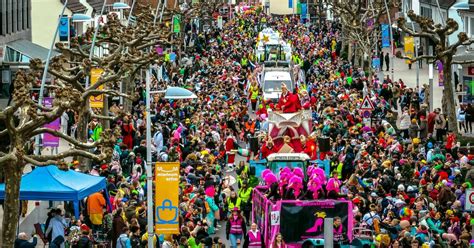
[[49, 183]]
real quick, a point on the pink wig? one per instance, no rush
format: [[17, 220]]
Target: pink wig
[[210, 191]]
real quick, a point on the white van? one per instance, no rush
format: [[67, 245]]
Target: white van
[[272, 80]]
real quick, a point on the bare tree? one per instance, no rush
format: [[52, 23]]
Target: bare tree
[[359, 21], [128, 52], [444, 52]]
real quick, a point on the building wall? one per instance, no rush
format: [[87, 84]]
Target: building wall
[[44, 15], [15, 21], [280, 7]]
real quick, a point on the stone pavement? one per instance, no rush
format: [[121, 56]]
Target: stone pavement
[[408, 76]]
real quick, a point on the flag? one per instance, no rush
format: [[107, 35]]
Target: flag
[[385, 36]]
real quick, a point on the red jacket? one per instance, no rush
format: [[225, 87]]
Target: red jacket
[[311, 149], [290, 103], [266, 151]]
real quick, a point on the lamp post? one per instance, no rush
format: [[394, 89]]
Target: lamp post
[[45, 73], [391, 36]]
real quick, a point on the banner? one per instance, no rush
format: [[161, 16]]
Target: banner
[[176, 24], [166, 198], [49, 139], [439, 64], [409, 48], [298, 7], [376, 63], [300, 221], [64, 28], [290, 4], [96, 101], [385, 36], [304, 9], [220, 22]]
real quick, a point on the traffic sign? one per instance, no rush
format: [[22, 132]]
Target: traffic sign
[[366, 114], [469, 206], [367, 104]]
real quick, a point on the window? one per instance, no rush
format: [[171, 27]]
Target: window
[[2, 14], [28, 7], [8, 23], [426, 12], [471, 26], [466, 24]]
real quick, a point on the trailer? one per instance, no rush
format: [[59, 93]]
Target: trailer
[[301, 222]]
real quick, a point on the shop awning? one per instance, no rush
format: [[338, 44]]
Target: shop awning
[[24, 50]]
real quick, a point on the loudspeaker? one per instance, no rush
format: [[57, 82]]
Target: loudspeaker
[[253, 144], [324, 144]]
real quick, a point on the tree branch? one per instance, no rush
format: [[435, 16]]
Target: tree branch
[[65, 137], [68, 153]]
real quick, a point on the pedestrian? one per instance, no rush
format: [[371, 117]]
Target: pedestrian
[[236, 228], [420, 54], [96, 205], [440, 127], [22, 241], [469, 117], [123, 241], [57, 225], [381, 59], [85, 240], [387, 61], [278, 242], [254, 238], [245, 194]]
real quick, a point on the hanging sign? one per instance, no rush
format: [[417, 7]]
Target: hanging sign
[[176, 24], [439, 64], [409, 48], [220, 22], [96, 101], [167, 198], [64, 28], [385, 36], [49, 139]]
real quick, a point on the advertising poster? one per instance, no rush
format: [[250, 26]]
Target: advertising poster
[[176, 24], [96, 101], [64, 28], [166, 198], [49, 139], [385, 36], [439, 64], [409, 48], [306, 220]]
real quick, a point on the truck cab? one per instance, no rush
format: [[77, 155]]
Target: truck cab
[[277, 161], [276, 73]]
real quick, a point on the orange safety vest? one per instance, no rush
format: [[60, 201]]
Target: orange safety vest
[[250, 128]]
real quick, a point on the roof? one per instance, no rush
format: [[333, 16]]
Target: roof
[[288, 156], [277, 75], [30, 49], [74, 6], [96, 5], [49, 183], [444, 4]]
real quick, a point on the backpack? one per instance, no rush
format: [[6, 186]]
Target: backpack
[[206, 205]]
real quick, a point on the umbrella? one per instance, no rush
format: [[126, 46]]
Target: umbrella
[[179, 93]]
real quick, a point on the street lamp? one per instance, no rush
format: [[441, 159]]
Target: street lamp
[[120, 6], [80, 18]]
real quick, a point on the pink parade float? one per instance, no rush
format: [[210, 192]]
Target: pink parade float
[[282, 206], [292, 125]]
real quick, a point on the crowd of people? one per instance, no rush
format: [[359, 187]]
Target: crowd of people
[[405, 175]]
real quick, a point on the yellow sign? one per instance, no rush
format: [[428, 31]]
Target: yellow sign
[[409, 48], [96, 101], [166, 198]]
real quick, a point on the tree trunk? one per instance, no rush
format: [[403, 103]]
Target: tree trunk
[[11, 209], [82, 131], [448, 96], [128, 89]]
